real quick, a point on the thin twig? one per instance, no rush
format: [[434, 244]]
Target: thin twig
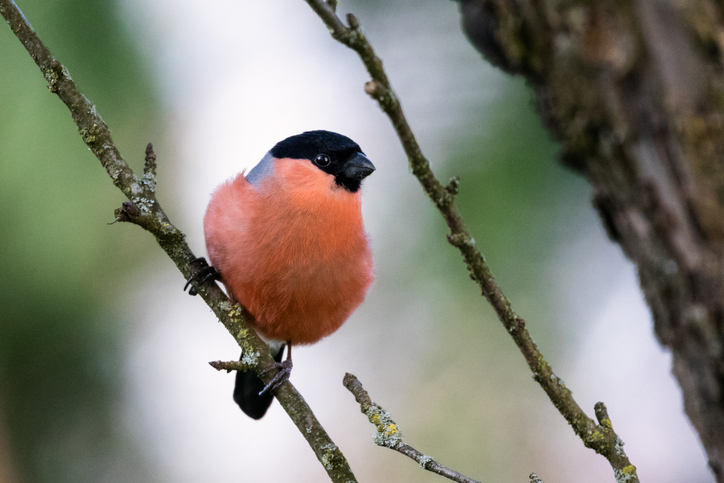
[[390, 436], [144, 210], [149, 168], [599, 437], [229, 366]]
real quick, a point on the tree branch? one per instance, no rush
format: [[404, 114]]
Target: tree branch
[[390, 436], [599, 437], [144, 210], [229, 366]]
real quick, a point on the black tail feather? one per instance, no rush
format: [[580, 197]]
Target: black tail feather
[[247, 388]]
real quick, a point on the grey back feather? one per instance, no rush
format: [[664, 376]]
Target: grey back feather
[[264, 168]]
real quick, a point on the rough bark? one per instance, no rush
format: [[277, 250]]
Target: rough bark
[[634, 91]]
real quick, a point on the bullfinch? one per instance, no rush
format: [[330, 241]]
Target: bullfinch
[[288, 242]]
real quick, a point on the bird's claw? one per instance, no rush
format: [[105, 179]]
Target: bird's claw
[[285, 370], [204, 273]]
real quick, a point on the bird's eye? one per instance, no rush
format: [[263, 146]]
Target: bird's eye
[[322, 160]]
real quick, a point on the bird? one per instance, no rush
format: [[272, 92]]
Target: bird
[[288, 242]]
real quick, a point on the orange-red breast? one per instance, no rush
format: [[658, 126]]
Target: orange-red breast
[[290, 246]]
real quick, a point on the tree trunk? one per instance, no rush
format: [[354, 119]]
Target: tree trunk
[[634, 91]]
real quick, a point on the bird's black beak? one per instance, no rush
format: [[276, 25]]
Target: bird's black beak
[[358, 167]]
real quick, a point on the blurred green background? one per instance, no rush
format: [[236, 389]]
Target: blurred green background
[[90, 313], [59, 330]]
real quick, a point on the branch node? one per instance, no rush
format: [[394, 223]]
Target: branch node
[[149, 170], [332, 4], [249, 362], [602, 415], [453, 186], [457, 239], [128, 212], [371, 88], [227, 366], [352, 21], [130, 208], [354, 386], [383, 95]]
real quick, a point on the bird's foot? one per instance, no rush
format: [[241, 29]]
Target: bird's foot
[[204, 273], [285, 370]]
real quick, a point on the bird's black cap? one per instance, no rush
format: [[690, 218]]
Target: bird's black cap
[[333, 153]]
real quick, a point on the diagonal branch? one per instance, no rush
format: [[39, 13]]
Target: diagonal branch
[[390, 436], [599, 437], [144, 210]]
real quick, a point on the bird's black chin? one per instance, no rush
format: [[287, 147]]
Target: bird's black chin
[[351, 185]]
